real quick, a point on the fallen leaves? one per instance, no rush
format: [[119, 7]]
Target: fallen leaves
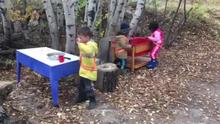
[[180, 81]]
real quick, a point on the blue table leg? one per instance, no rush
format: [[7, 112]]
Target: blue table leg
[[54, 90], [18, 71]]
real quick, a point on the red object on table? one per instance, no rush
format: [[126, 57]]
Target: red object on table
[[61, 58]]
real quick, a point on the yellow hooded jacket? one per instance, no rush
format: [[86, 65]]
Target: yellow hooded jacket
[[88, 52]]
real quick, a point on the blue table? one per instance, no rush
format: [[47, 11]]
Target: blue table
[[37, 60]]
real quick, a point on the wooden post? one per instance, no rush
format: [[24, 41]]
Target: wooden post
[[133, 58], [107, 77]]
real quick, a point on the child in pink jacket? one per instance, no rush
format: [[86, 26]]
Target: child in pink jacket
[[157, 38]]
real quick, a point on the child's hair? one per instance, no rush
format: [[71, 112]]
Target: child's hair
[[153, 26], [85, 31]]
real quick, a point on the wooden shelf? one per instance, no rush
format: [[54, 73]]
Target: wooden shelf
[[141, 46], [139, 61]]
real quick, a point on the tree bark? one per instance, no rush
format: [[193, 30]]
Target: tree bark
[[86, 11], [59, 15], [114, 14], [91, 12], [96, 26], [52, 24], [5, 22], [105, 54], [70, 18], [97, 14], [111, 11], [136, 16], [180, 24], [122, 14]]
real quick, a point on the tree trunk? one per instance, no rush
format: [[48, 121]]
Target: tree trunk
[[8, 4], [52, 24], [168, 41], [122, 14], [96, 26], [5, 22], [58, 9], [113, 21], [136, 16], [86, 11], [107, 77], [97, 14], [111, 11], [70, 18], [91, 12], [180, 24], [60, 15], [105, 54]]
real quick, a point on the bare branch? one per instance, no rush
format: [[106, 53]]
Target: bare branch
[[172, 23], [180, 26], [165, 9]]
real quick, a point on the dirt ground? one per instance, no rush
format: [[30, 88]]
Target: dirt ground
[[184, 89]]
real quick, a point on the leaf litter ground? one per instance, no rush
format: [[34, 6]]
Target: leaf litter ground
[[184, 89]]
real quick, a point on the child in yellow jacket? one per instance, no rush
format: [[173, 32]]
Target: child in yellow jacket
[[88, 71]]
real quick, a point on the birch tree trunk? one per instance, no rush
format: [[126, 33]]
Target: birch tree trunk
[[115, 20], [98, 13], [114, 24], [70, 18], [122, 14], [52, 24], [59, 15], [5, 22], [8, 4], [86, 11], [136, 16], [97, 20], [91, 12], [111, 10]]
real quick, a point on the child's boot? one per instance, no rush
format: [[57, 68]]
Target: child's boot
[[81, 97], [152, 64], [92, 103]]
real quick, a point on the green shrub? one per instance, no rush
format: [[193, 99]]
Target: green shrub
[[199, 12]]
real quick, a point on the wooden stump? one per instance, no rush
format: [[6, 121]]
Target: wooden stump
[[107, 77]]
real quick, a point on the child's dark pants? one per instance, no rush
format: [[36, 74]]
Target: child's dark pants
[[86, 90]]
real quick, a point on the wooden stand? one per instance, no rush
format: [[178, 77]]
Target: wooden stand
[[107, 77], [137, 62], [141, 46]]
